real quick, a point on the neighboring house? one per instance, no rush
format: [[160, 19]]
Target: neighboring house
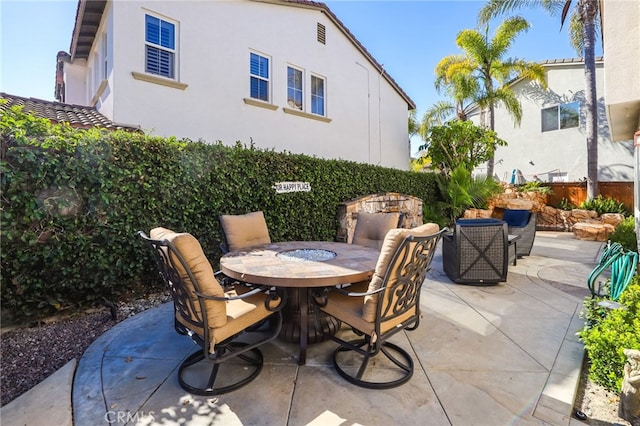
[[550, 143], [621, 34], [281, 74], [78, 116]]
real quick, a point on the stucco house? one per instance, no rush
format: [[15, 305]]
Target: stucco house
[[550, 143], [281, 74], [621, 35]]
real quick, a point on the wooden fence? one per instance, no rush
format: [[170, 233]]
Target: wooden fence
[[576, 192]]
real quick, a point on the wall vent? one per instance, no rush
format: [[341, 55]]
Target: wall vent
[[322, 33]]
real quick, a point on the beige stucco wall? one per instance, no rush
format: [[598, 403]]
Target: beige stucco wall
[[563, 151], [622, 74], [368, 118]]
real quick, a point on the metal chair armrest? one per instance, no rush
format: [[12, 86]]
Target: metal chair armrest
[[355, 294]]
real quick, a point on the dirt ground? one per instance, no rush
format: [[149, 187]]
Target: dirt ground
[[598, 404]]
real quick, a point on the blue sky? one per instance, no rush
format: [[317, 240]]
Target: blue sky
[[407, 37]]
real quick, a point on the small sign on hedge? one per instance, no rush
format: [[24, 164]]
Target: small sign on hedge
[[283, 187]]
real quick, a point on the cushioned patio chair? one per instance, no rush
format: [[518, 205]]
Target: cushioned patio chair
[[523, 223], [212, 316], [381, 308], [477, 252], [245, 230], [371, 228]]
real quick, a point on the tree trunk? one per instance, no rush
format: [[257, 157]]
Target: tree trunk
[[492, 126], [588, 11]]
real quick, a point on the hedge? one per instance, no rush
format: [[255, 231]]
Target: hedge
[[73, 200]]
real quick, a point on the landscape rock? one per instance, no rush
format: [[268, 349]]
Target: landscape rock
[[590, 231], [477, 213], [513, 203], [579, 214], [614, 219]]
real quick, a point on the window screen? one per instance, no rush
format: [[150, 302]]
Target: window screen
[[317, 95], [569, 115], [294, 88]]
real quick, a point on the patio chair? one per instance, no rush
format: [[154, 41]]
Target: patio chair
[[477, 252], [242, 231], [371, 228], [212, 316], [381, 308], [523, 223]]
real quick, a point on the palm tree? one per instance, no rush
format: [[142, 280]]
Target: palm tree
[[585, 21], [482, 74]]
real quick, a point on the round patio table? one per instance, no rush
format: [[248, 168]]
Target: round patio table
[[299, 266]]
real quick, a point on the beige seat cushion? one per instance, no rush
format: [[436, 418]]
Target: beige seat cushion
[[191, 251], [240, 315], [389, 247], [371, 228], [242, 231]]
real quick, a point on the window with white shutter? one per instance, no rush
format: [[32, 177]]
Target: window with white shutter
[[160, 47]]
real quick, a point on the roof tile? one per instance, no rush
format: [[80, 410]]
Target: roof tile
[[58, 112]]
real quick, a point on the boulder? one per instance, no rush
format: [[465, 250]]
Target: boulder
[[592, 231], [552, 219], [614, 219], [513, 203], [579, 215], [477, 213]]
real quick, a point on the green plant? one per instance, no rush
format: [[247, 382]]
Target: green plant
[[607, 334], [593, 311], [535, 186], [625, 234], [73, 200], [459, 144], [461, 191], [604, 205], [565, 204]]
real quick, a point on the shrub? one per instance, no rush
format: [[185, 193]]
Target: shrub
[[460, 191], [72, 201], [565, 204], [625, 234], [459, 144], [608, 332], [535, 186], [604, 205]]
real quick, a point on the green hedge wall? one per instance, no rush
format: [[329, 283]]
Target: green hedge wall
[[73, 200]]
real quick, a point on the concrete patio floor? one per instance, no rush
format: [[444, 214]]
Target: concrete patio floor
[[498, 355]]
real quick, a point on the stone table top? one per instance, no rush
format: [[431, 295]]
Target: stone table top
[[286, 264]]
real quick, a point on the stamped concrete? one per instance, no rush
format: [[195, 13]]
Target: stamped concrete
[[506, 354]]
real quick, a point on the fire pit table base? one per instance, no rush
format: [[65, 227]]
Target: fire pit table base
[[292, 318]]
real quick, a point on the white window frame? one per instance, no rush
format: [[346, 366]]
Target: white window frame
[[557, 111], [105, 57], [296, 90], [260, 77], [171, 51], [314, 96]]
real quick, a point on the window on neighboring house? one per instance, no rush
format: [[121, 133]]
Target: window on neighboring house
[[259, 77], [160, 49], [563, 116], [317, 95], [105, 69], [294, 88]]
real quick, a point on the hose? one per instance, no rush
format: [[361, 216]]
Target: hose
[[622, 271], [623, 266]]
